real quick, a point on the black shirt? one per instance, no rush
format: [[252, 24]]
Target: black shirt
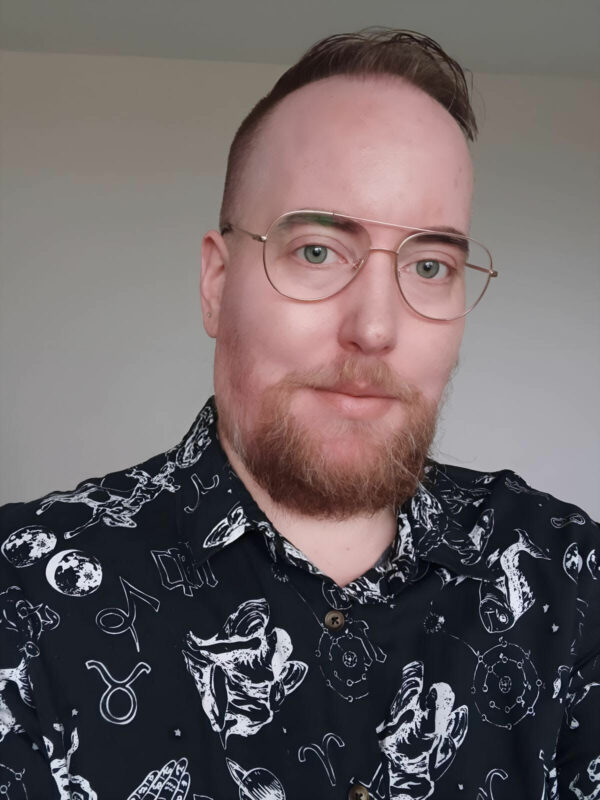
[[159, 639]]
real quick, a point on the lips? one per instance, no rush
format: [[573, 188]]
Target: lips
[[355, 390]]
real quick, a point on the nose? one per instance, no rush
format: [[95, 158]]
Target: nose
[[372, 306]]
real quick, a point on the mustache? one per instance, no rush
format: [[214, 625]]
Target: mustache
[[373, 375]]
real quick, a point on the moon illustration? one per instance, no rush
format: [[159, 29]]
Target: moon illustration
[[572, 561], [593, 564], [257, 783], [74, 573], [27, 545]]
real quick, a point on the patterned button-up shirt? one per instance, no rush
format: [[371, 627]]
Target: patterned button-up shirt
[[160, 639]]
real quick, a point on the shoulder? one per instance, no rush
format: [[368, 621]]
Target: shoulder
[[31, 531], [525, 542]]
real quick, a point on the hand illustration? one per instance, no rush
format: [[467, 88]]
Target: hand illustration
[[421, 735]]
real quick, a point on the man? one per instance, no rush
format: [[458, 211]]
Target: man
[[295, 601]]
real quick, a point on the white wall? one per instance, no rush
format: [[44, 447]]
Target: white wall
[[112, 169]]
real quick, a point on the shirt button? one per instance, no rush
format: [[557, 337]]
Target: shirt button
[[335, 621], [358, 792]]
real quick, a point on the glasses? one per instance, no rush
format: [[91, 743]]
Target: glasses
[[312, 255]]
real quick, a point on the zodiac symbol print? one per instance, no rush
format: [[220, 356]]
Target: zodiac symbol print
[[322, 753], [115, 620], [117, 687], [201, 490]]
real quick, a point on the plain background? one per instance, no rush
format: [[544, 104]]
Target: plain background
[[112, 169]]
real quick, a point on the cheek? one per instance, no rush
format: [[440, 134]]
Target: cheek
[[433, 354]]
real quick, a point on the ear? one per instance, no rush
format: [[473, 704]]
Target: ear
[[215, 257]]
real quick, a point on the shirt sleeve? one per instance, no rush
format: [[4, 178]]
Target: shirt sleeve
[[578, 747]]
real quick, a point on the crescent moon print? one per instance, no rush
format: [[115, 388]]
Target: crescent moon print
[[504, 600], [256, 784], [421, 735], [171, 782], [74, 573], [27, 545], [114, 507], [243, 673]]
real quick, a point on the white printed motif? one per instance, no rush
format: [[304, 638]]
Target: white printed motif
[[11, 784], [593, 772], [485, 792], [234, 525], [346, 658], [171, 782], [177, 569], [593, 564], [115, 687], [505, 685], [420, 736], [572, 519], [322, 753], [256, 784], [201, 490], [505, 599], [196, 440], [519, 486], [243, 673], [576, 696], [115, 620], [27, 545], [69, 786], [18, 616], [114, 507], [550, 790], [437, 527], [74, 573], [572, 561]]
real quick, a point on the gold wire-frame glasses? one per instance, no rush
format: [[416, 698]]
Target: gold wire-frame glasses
[[443, 245]]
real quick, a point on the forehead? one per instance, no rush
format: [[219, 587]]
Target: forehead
[[375, 147]]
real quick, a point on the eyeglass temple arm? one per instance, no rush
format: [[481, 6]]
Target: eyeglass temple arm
[[490, 271], [228, 228]]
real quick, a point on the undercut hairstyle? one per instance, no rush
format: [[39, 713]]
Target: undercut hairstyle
[[412, 56]]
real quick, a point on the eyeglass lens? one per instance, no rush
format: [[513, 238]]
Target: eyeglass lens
[[312, 256]]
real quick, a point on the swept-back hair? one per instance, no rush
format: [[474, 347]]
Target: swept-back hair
[[374, 51]]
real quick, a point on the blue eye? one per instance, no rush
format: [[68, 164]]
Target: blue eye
[[315, 253]]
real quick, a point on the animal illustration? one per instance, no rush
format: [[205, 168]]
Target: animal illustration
[[114, 507], [505, 599]]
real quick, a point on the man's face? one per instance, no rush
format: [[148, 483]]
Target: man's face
[[375, 148]]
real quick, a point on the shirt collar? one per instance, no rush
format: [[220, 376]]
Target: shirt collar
[[445, 523]]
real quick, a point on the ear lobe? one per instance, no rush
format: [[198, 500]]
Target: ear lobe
[[212, 279]]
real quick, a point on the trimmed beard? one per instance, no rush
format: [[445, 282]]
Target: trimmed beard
[[291, 461]]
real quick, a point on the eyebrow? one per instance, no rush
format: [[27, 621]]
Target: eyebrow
[[331, 220]]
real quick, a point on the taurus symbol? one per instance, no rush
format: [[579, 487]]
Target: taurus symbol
[[322, 753], [115, 686]]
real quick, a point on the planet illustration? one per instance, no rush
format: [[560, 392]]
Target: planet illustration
[[74, 573], [27, 545], [572, 561], [257, 783]]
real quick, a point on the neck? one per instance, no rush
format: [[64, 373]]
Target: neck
[[342, 549]]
